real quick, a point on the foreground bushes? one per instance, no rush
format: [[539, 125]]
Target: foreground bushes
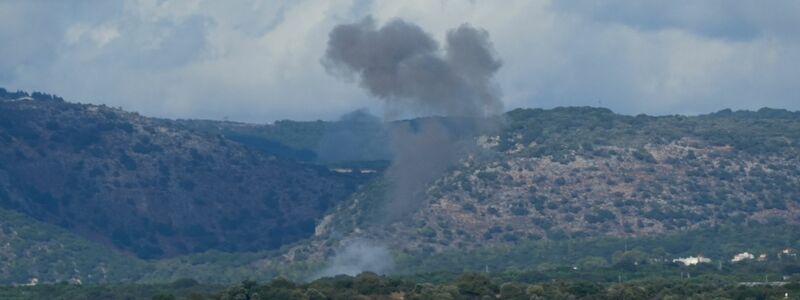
[[480, 286]]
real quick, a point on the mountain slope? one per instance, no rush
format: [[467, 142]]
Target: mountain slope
[[546, 178], [32, 250], [153, 187], [571, 173]]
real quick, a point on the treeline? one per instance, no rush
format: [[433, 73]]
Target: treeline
[[180, 289], [373, 286], [7, 95], [481, 286], [564, 131], [601, 258]]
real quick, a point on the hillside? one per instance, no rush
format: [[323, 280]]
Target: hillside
[[571, 173], [36, 251], [357, 139], [225, 201], [153, 187]]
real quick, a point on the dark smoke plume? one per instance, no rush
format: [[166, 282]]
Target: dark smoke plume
[[405, 67]]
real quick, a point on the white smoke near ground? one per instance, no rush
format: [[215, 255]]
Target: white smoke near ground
[[359, 256]]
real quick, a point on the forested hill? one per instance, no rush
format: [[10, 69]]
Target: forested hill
[[572, 173], [153, 187], [282, 196]]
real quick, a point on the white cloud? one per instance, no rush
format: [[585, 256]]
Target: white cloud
[[100, 36], [259, 60]]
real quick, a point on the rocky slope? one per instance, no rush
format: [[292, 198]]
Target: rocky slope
[[572, 173]]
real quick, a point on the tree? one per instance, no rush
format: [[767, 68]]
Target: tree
[[592, 262], [164, 297], [369, 283], [474, 285], [513, 291]]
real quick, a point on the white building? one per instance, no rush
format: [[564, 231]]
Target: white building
[[34, 281], [692, 260], [742, 256], [789, 252]]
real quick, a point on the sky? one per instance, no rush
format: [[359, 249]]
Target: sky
[[259, 61]]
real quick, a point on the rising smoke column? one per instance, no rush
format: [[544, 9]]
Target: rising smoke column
[[404, 66]]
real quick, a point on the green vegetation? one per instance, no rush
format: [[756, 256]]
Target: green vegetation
[[482, 286], [557, 204], [155, 188], [34, 250], [180, 289], [601, 259], [562, 131], [466, 286], [6, 95], [572, 173], [596, 259]]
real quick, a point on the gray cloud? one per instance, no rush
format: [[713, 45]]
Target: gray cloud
[[735, 20], [258, 60], [32, 33]]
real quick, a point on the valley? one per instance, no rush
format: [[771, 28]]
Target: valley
[[96, 194]]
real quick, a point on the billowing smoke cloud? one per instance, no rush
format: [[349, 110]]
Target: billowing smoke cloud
[[404, 66], [359, 256]]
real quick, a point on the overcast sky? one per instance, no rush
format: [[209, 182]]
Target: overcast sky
[[259, 61]]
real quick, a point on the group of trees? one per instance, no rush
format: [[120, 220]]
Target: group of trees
[[560, 131], [372, 286], [369, 285], [5, 94]]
